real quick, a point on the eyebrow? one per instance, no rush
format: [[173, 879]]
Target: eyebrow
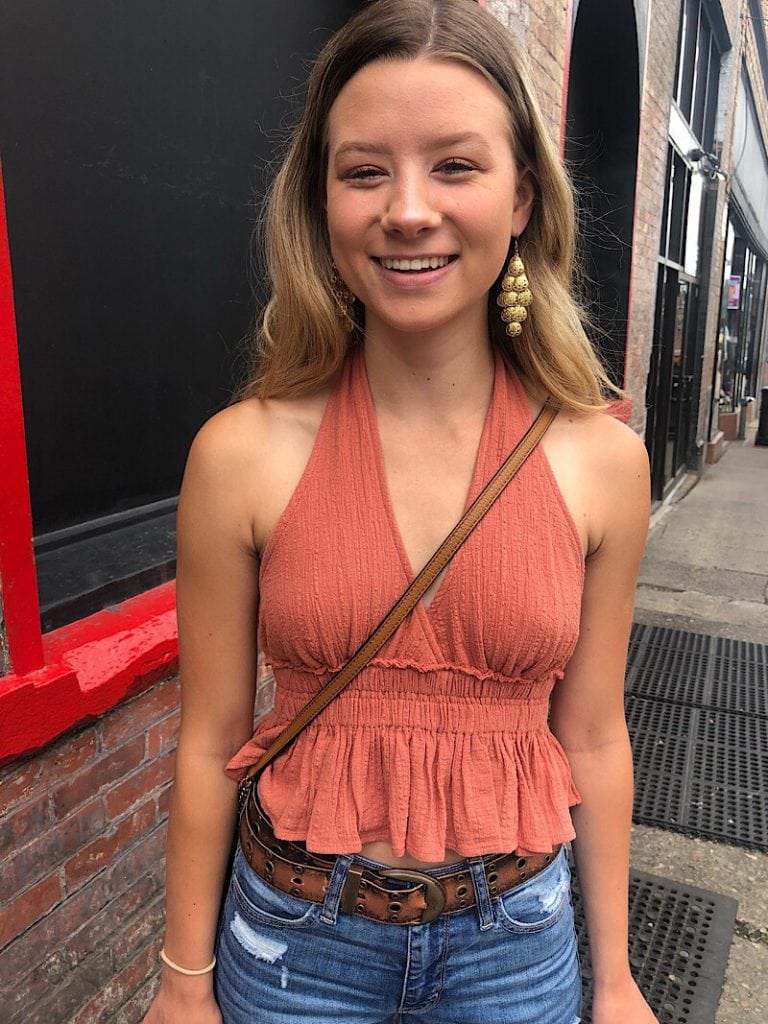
[[443, 142]]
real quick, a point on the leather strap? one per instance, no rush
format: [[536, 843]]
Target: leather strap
[[370, 893], [415, 591]]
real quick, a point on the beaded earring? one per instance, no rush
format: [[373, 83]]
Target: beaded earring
[[515, 295], [344, 300]]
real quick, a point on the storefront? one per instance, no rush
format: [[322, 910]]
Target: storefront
[[741, 337], [674, 378]]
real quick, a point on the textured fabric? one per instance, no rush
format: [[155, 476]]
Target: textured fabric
[[281, 960], [442, 741]]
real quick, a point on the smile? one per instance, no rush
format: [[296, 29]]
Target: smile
[[420, 263]]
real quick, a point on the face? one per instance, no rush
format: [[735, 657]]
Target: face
[[423, 192]]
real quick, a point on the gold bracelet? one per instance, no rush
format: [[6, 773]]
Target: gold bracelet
[[185, 970]]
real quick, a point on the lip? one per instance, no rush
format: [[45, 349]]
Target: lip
[[415, 256], [413, 281]]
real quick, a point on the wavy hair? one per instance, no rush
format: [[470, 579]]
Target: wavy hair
[[300, 342]]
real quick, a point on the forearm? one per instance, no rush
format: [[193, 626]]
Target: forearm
[[603, 821], [200, 832]]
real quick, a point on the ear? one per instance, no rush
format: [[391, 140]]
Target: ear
[[525, 195]]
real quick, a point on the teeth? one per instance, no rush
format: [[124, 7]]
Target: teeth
[[427, 263]]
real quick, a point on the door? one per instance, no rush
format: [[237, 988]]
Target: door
[[670, 380]]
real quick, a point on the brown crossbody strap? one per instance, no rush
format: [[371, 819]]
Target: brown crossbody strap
[[416, 589]]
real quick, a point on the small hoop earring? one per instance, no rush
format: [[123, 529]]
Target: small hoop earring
[[515, 295], [344, 300]]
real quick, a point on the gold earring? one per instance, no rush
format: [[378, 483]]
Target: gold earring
[[344, 300], [515, 295]]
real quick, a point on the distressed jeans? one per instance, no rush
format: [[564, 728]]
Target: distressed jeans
[[508, 960]]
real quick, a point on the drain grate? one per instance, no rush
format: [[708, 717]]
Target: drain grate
[[697, 711], [704, 671], [679, 939], [700, 771]]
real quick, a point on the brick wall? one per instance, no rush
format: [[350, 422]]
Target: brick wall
[[82, 841], [82, 844], [539, 28], [651, 167]]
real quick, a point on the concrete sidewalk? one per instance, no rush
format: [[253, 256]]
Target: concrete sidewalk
[[706, 571]]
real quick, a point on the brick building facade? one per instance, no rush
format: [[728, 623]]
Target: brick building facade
[[84, 800]]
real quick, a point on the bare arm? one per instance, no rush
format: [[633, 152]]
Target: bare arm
[[217, 602], [587, 716]]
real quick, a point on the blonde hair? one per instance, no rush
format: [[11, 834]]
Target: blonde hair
[[301, 343]]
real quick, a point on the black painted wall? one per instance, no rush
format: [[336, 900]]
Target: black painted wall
[[133, 138]]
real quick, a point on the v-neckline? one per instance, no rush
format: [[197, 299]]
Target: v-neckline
[[386, 495]]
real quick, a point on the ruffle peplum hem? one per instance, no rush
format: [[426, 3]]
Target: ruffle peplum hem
[[474, 768]]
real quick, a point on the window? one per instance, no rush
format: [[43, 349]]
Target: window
[[131, 161], [698, 71], [129, 244]]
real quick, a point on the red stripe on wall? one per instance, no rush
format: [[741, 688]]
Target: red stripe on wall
[[17, 564]]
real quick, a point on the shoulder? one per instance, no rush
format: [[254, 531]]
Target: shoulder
[[245, 461], [616, 462], [600, 442], [244, 435], [611, 448], [602, 467]]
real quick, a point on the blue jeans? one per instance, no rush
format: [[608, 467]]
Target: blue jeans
[[507, 960]]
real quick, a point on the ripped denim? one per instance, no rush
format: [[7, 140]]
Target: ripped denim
[[508, 960]]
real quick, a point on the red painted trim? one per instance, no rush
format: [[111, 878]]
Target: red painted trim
[[82, 670], [566, 72], [91, 666], [17, 564]]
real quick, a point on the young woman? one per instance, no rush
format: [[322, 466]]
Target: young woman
[[401, 357]]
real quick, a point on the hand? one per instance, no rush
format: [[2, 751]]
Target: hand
[[184, 1000], [621, 1004]]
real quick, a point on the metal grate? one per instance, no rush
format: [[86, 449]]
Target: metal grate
[[697, 711], [704, 671], [679, 939]]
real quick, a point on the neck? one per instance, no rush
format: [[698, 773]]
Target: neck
[[437, 374]]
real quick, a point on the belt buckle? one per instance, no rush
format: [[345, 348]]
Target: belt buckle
[[434, 892]]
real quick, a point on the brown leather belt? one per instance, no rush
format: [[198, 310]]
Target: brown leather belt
[[291, 868]]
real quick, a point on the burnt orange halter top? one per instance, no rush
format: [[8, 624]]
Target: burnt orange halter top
[[442, 740]]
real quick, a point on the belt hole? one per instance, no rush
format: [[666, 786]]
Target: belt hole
[[297, 881], [394, 918], [523, 874], [493, 877], [298, 868], [520, 863], [363, 884], [462, 903], [461, 877], [493, 890], [269, 866], [249, 846], [394, 907], [461, 891], [548, 859], [360, 908], [295, 892]]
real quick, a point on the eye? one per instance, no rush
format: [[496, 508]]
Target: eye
[[455, 166], [362, 174]]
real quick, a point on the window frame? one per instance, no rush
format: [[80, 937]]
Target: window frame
[[75, 673]]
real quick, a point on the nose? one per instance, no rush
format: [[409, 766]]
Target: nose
[[410, 207]]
